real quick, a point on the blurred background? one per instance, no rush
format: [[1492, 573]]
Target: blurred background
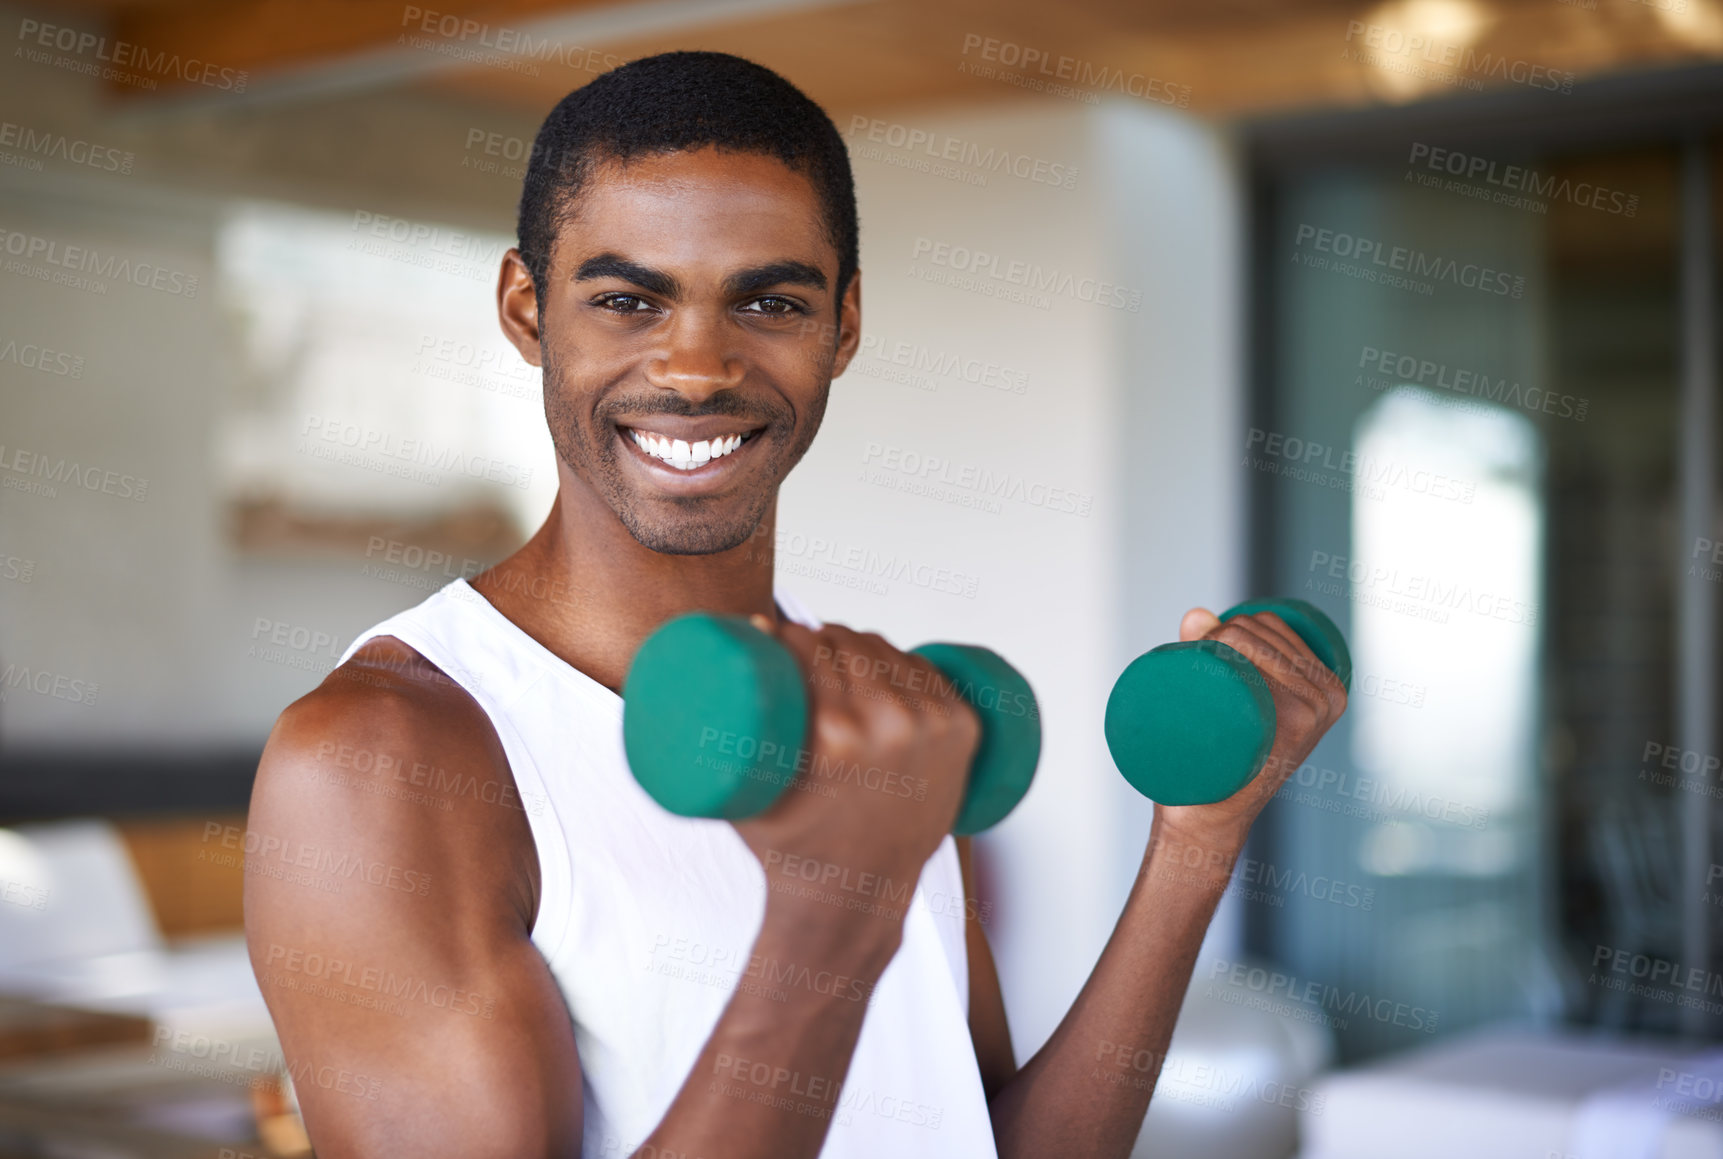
[[1408, 309]]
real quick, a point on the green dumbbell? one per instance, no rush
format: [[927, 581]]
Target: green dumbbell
[[714, 717], [1192, 723]]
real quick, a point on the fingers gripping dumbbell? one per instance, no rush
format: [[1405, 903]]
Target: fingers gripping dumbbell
[[1192, 723]]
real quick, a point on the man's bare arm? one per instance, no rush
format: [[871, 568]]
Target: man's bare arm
[[1085, 1092], [434, 1001], [389, 925], [988, 1029]]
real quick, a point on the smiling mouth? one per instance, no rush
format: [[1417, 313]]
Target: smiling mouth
[[685, 455]]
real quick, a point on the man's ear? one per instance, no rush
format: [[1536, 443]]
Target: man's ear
[[517, 306], [849, 325]]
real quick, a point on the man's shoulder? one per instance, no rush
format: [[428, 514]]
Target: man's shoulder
[[386, 694], [392, 759]]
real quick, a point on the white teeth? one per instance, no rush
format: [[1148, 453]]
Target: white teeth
[[681, 454]]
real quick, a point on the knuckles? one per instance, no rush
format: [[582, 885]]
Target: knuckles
[[1298, 716]]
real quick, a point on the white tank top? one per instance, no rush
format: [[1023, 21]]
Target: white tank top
[[647, 920]]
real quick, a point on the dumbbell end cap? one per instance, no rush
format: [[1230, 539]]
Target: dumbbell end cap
[[1010, 747], [1189, 723], [714, 716]]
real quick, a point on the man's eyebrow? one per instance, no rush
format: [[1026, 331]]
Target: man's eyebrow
[[785, 273], [609, 265]]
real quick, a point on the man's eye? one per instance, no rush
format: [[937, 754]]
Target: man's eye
[[623, 303], [776, 306]]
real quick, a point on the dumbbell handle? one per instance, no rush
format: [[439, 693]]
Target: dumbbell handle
[[703, 688]]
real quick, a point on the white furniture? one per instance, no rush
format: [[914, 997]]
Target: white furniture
[[76, 928], [1233, 1081], [1524, 1094]]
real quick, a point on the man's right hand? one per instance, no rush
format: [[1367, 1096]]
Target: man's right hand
[[889, 747]]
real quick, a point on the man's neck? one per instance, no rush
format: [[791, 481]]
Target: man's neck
[[586, 589]]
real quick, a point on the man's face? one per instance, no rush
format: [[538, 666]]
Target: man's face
[[689, 333]]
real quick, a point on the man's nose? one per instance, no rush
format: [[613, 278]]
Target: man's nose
[[697, 359]]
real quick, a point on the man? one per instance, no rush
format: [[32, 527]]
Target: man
[[538, 961]]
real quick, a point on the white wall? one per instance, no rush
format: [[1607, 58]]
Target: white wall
[[1136, 410], [146, 600], [1176, 217], [1046, 580]]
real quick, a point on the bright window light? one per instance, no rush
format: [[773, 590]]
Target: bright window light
[[1445, 582]]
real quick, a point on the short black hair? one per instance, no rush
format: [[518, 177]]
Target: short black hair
[[671, 102]]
